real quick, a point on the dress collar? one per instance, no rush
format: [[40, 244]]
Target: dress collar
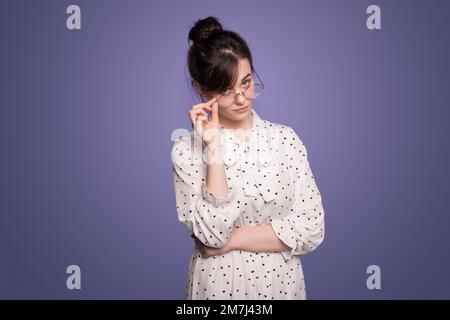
[[259, 149]]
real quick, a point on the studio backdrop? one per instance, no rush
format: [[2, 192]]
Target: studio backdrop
[[93, 94]]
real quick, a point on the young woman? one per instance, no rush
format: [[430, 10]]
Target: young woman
[[243, 185]]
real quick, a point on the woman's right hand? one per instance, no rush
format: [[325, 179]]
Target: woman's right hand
[[208, 129]]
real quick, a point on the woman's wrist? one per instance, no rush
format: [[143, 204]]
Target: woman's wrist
[[214, 154], [234, 241]]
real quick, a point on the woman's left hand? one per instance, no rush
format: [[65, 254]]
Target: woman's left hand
[[207, 252]]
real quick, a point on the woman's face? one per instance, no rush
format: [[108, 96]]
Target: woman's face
[[244, 80]]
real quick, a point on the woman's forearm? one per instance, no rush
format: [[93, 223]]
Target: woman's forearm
[[259, 238], [216, 180]]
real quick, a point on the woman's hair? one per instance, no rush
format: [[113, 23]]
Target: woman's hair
[[214, 55]]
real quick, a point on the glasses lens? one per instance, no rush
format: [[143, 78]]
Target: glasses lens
[[253, 91]]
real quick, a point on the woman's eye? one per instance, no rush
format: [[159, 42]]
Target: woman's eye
[[248, 81]]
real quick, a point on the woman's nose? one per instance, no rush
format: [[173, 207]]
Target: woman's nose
[[240, 99]]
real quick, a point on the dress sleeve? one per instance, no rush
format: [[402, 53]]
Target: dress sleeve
[[209, 218], [303, 229]]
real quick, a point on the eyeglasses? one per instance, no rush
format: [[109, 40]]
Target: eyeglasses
[[249, 91]]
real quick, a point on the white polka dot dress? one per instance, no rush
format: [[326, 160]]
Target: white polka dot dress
[[270, 181]]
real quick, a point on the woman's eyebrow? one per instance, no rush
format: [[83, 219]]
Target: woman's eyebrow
[[246, 77]]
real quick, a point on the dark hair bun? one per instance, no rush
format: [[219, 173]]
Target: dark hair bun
[[203, 28]]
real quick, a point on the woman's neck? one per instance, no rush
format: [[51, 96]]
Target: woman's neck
[[244, 124]]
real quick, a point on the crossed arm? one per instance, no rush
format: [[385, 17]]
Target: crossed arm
[[259, 238], [303, 227]]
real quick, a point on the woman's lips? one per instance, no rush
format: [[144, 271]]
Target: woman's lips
[[241, 109]]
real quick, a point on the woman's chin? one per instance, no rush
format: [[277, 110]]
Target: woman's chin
[[239, 115]]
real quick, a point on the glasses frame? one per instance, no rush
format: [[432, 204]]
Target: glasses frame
[[261, 85]]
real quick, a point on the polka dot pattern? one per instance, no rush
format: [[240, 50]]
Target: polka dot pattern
[[270, 181]]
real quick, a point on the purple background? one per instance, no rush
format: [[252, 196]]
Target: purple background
[[86, 119]]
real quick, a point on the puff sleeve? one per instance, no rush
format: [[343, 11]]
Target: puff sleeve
[[303, 229], [209, 218]]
